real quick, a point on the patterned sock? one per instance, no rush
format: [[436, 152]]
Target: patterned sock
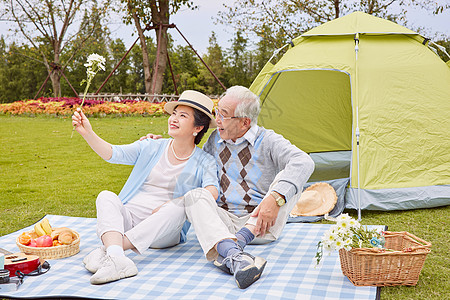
[[226, 248], [244, 236], [115, 251]]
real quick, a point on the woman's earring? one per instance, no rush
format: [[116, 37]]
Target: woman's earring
[[195, 133]]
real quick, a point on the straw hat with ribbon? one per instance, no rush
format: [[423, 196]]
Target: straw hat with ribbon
[[318, 199], [195, 100]]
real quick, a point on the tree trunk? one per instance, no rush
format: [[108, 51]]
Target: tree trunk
[[160, 16], [55, 75], [161, 60], [145, 59]]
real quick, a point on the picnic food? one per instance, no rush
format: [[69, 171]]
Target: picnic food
[[44, 235], [64, 235], [45, 224], [43, 227], [55, 243], [44, 241], [24, 239]]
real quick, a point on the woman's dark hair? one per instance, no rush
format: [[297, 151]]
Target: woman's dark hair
[[200, 119]]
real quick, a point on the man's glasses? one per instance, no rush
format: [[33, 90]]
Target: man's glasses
[[218, 114]]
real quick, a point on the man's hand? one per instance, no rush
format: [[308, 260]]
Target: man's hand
[[151, 136], [267, 213]]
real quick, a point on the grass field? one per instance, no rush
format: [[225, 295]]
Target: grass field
[[44, 171]]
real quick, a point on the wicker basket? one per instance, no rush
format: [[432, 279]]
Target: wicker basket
[[53, 252], [400, 265]]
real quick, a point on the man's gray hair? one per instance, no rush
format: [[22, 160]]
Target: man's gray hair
[[248, 106]]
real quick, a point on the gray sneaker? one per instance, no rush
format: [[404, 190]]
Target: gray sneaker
[[92, 261], [245, 267], [114, 268]]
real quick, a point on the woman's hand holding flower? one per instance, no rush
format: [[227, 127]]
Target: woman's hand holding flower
[[81, 122]]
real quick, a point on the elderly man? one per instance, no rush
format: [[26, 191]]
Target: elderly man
[[261, 177]]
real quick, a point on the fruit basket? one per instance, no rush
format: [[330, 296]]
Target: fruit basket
[[53, 252], [399, 264]]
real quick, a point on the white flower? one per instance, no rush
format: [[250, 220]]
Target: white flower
[[329, 237], [343, 217], [90, 73], [95, 62], [344, 225], [334, 228], [347, 244], [95, 58], [339, 244], [353, 223], [329, 245]]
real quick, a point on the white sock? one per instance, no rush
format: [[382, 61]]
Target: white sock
[[115, 251]]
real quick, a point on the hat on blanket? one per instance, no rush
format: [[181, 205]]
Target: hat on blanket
[[318, 199], [195, 100]]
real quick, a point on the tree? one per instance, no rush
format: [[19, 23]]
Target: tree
[[241, 68], [185, 69], [154, 13], [445, 44], [265, 48], [20, 76], [48, 23], [118, 82], [215, 59], [288, 19], [92, 37]]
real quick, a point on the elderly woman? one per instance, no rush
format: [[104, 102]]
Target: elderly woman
[[146, 212]]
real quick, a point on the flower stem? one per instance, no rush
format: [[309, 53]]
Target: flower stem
[[82, 102]]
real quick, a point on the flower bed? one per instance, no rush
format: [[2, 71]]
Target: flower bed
[[66, 106]]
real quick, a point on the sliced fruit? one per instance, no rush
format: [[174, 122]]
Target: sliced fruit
[[38, 229], [45, 224]]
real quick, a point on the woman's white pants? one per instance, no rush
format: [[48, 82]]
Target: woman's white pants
[[159, 230]]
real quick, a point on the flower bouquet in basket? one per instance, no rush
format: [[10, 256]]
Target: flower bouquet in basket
[[346, 234], [374, 258]]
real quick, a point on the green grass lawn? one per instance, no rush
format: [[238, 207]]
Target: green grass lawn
[[44, 171]]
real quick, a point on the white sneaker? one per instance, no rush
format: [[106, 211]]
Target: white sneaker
[[114, 268], [92, 261]]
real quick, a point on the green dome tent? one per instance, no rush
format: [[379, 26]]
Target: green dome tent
[[369, 100]]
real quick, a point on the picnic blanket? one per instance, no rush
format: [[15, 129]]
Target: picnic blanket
[[182, 272]]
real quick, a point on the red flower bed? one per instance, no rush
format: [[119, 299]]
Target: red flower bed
[[66, 106]]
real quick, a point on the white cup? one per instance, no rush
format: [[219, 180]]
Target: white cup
[[2, 261]]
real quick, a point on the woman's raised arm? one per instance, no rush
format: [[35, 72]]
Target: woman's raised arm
[[84, 128]]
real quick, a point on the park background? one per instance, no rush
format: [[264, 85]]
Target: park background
[[45, 171], [235, 38]]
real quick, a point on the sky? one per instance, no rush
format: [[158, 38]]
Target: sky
[[197, 25]]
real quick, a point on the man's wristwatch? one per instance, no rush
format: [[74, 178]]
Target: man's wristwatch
[[279, 199]]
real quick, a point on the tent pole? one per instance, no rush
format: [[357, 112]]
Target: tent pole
[[357, 158], [357, 123]]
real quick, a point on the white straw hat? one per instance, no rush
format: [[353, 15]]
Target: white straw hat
[[318, 199], [195, 100]]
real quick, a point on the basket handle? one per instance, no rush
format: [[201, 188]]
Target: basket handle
[[425, 244]]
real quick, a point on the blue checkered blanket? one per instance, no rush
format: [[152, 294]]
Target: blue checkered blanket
[[182, 272]]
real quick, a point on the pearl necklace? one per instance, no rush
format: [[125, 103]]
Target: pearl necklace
[[179, 158]]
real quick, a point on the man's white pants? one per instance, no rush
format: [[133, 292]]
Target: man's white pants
[[213, 224]]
